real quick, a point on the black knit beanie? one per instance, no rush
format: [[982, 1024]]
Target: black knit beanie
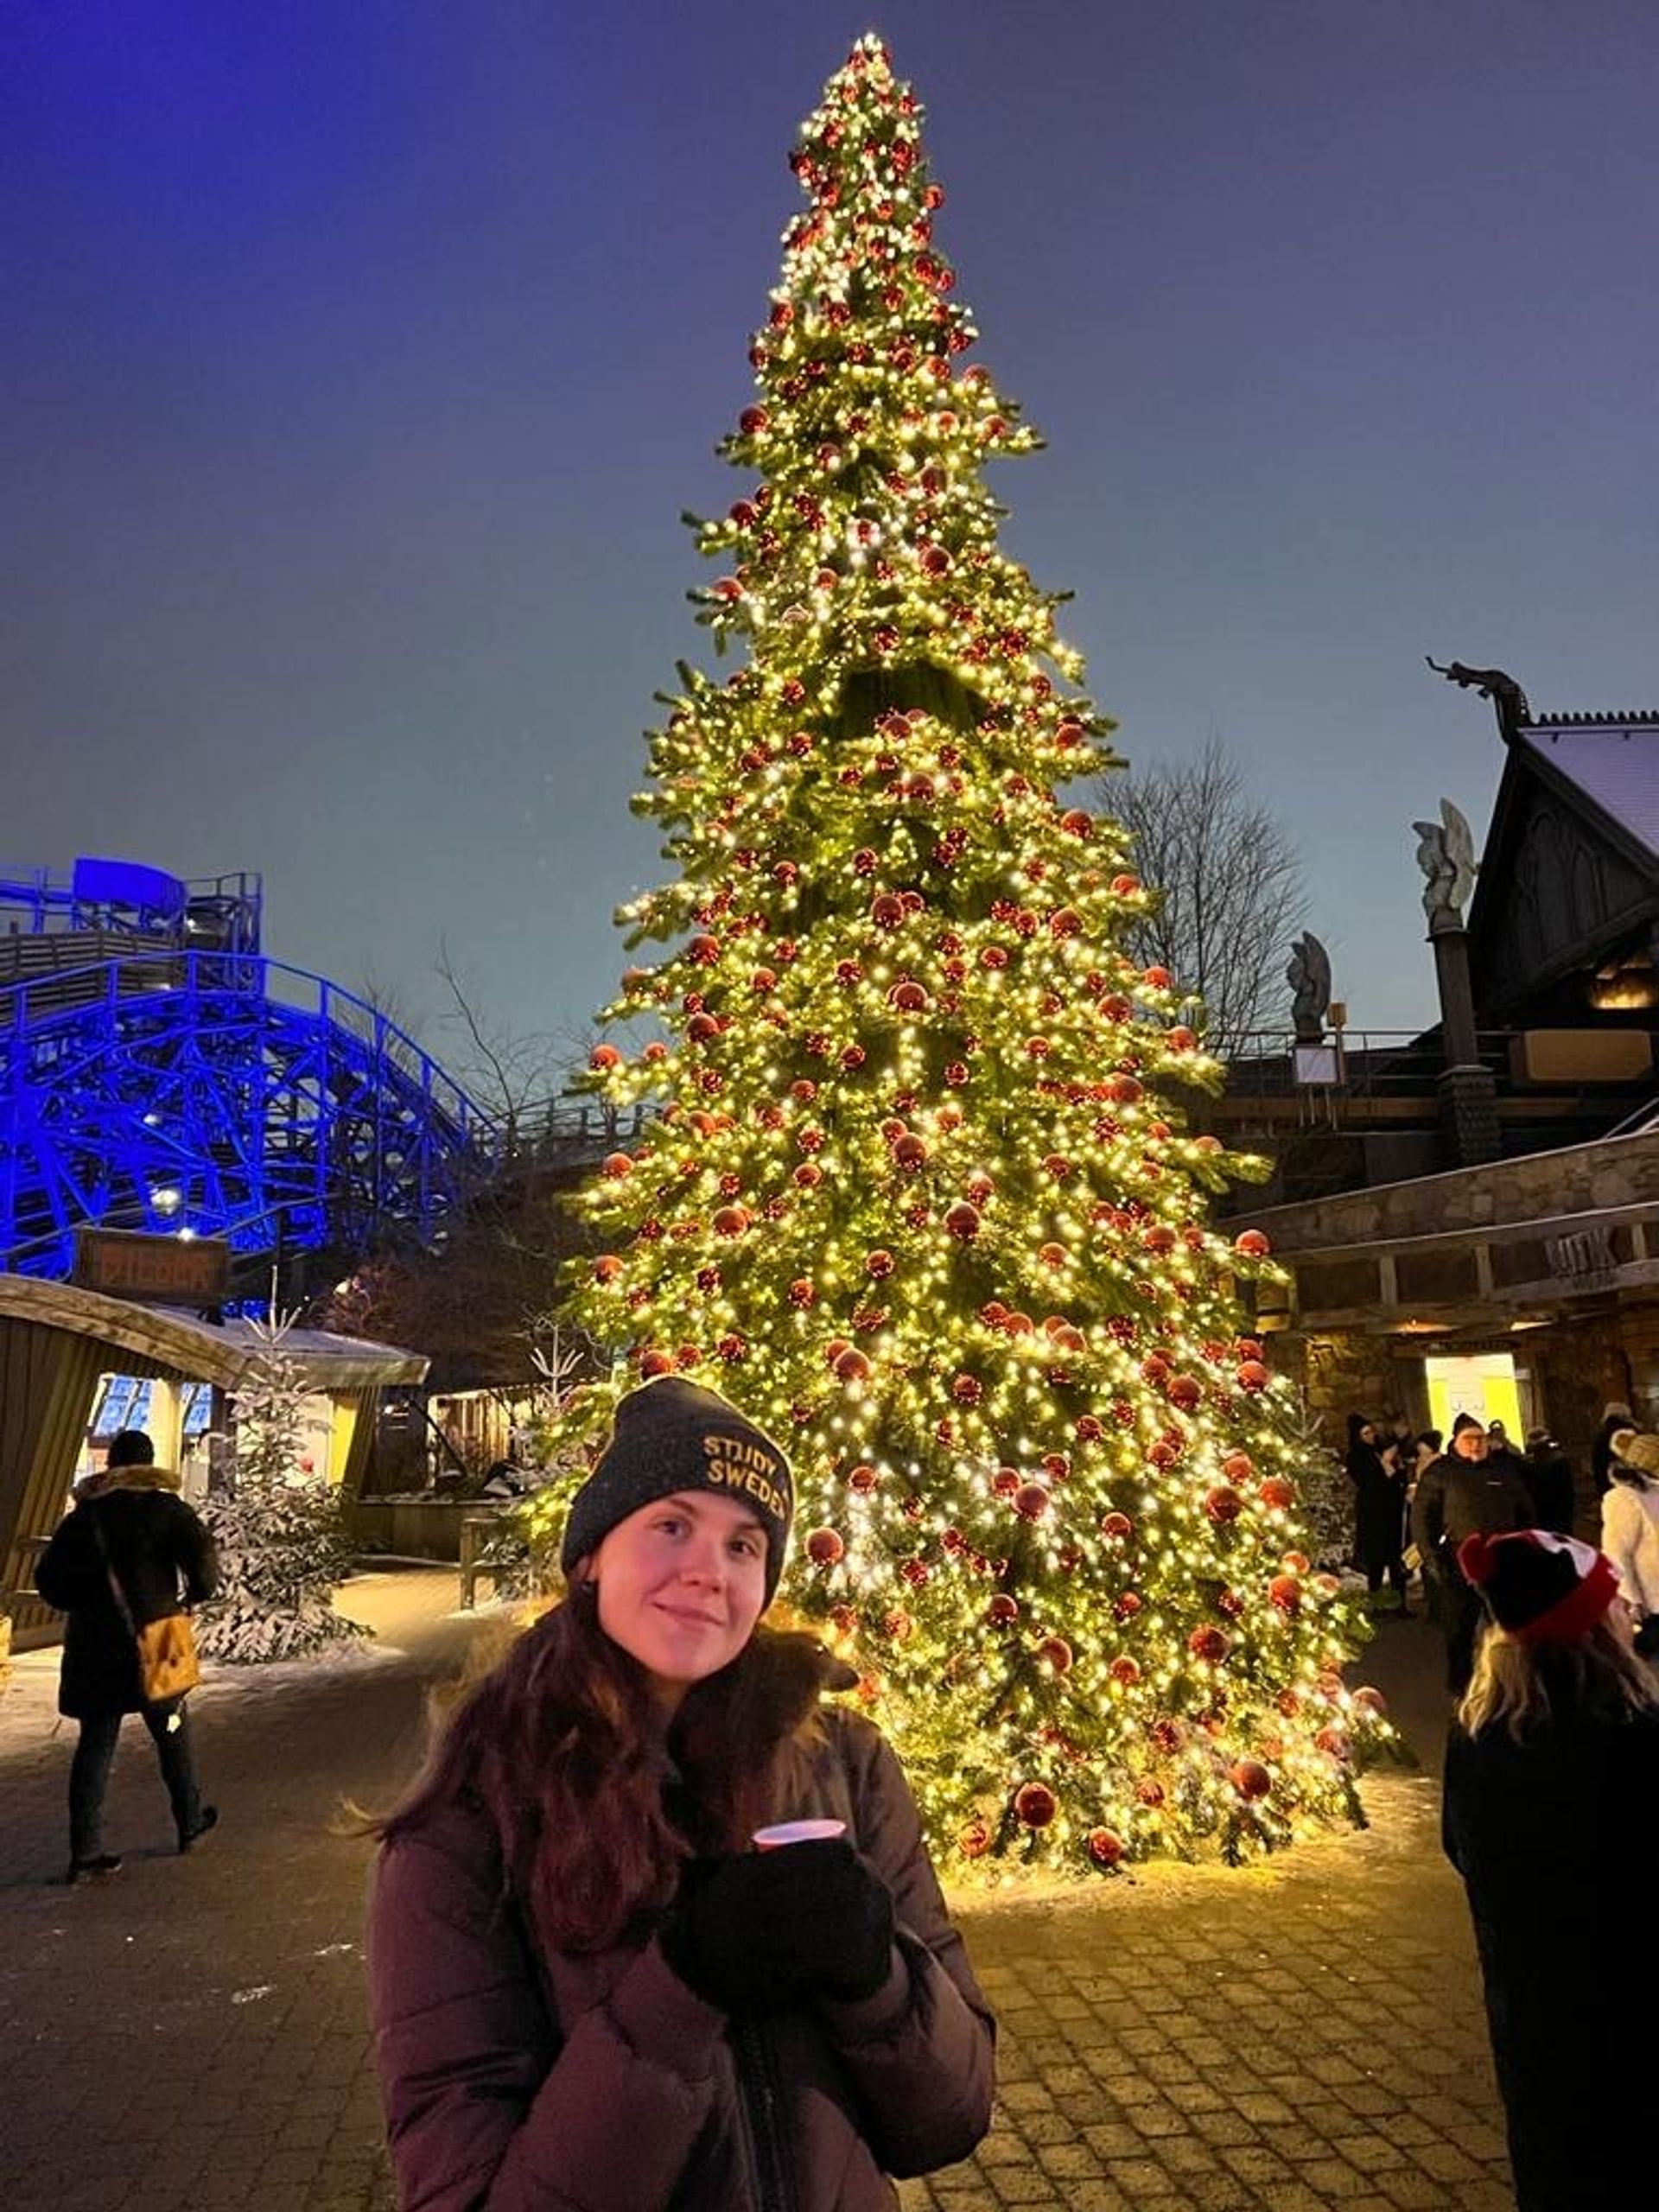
[[671, 1435]]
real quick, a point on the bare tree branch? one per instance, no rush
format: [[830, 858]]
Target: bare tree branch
[[513, 1076], [1231, 893]]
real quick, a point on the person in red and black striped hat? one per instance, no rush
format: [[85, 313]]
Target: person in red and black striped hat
[[1551, 1815]]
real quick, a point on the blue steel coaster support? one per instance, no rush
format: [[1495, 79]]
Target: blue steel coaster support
[[222, 1094]]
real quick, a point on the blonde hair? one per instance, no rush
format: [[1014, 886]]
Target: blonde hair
[[1525, 1688]]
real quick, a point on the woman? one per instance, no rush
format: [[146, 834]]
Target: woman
[[588, 1989], [1630, 1530], [1552, 1818], [129, 1527], [1379, 1509], [1615, 1416]]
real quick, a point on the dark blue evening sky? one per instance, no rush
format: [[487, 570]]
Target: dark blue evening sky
[[359, 356]]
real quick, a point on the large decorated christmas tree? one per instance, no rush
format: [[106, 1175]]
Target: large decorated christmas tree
[[921, 1198]]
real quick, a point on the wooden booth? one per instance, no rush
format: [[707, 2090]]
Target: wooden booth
[[58, 1340]]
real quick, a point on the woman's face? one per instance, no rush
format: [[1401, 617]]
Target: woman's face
[[682, 1582]]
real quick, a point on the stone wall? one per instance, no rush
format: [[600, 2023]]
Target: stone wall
[[1583, 1178]]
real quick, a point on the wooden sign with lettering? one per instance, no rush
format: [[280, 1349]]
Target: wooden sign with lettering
[[161, 1270]]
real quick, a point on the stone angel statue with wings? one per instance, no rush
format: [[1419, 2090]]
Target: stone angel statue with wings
[[1447, 856]]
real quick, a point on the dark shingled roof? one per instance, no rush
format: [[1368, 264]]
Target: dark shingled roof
[[1614, 760]]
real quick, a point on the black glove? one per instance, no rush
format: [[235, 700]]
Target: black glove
[[753, 1933]]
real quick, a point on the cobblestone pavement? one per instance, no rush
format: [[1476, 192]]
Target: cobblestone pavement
[[192, 2031]]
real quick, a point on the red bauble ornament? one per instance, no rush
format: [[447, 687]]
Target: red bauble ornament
[[1051, 1256], [1158, 1239], [1181, 1039], [615, 1166], [606, 1267], [604, 1056], [862, 1480], [1005, 1483], [1003, 1611], [824, 1547], [910, 1152], [1056, 1653], [1035, 1804], [1367, 1699], [1150, 1792], [1208, 1644], [656, 1363], [1224, 1504], [730, 1221], [1117, 1527], [803, 1293], [973, 1840], [880, 1264], [1156, 978], [808, 1177], [852, 1367], [1185, 1393], [966, 1389], [1032, 1501], [915, 1572], [1105, 1848], [1238, 1466], [962, 1221], [1286, 1593], [1277, 1492], [886, 910], [1126, 1672], [908, 997], [1253, 1244], [1126, 1606], [1252, 1375], [753, 421], [1250, 1778]]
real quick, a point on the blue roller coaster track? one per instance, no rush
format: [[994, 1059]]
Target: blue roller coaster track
[[157, 1071]]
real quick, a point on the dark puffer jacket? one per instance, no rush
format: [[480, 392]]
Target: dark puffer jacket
[[165, 1559], [603, 2084]]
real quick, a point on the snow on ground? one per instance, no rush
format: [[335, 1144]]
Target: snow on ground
[[402, 1606]]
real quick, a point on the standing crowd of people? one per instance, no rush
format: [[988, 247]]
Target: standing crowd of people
[[1551, 1806]]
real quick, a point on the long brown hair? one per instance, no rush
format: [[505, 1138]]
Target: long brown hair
[[1525, 1688], [562, 1743]]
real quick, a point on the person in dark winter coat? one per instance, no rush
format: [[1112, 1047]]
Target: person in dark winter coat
[[129, 1521], [1373, 1468], [1459, 1496], [1550, 1816], [1549, 1479], [589, 1994]]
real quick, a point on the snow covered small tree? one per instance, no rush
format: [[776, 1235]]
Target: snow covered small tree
[[921, 1200], [278, 1527]]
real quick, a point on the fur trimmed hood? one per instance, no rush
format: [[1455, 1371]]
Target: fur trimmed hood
[[139, 1477]]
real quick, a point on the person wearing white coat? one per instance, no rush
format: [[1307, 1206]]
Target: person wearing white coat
[[1630, 1528]]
